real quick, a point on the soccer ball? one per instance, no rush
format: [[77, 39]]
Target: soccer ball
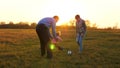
[[69, 52]]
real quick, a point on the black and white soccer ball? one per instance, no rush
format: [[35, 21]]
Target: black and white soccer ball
[[69, 52]]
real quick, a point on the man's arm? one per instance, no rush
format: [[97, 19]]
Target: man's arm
[[50, 35], [54, 29], [84, 25]]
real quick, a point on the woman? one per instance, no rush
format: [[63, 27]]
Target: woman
[[80, 31]]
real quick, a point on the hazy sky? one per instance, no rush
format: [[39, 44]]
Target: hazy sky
[[104, 13]]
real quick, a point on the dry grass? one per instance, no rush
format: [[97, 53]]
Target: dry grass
[[19, 48]]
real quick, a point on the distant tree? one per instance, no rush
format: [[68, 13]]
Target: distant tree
[[33, 25], [11, 23], [116, 26], [2, 23], [109, 28], [72, 22], [23, 23], [94, 26], [88, 23]]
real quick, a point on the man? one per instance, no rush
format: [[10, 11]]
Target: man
[[43, 32], [80, 31]]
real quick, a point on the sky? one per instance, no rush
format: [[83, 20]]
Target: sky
[[105, 13]]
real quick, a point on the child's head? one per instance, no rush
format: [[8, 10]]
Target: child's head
[[58, 33]]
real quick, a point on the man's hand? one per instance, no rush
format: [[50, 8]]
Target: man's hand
[[54, 41]]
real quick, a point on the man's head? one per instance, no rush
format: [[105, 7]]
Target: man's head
[[56, 18], [77, 17]]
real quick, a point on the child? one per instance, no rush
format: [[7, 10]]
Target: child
[[55, 42]]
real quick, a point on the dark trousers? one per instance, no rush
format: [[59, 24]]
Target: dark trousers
[[43, 34]]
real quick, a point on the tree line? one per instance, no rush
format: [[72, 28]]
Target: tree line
[[26, 25], [20, 25]]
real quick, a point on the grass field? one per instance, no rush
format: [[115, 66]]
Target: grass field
[[19, 48]]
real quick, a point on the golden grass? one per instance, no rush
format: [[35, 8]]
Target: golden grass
[[19, 48]]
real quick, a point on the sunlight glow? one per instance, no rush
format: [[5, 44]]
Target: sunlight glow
[[100, 12]]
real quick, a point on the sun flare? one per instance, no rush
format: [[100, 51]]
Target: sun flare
[[105, 15]]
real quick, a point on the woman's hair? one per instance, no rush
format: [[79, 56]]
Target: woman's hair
[[77, 16]]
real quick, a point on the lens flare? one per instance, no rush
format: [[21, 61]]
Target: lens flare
[[52, 46]]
